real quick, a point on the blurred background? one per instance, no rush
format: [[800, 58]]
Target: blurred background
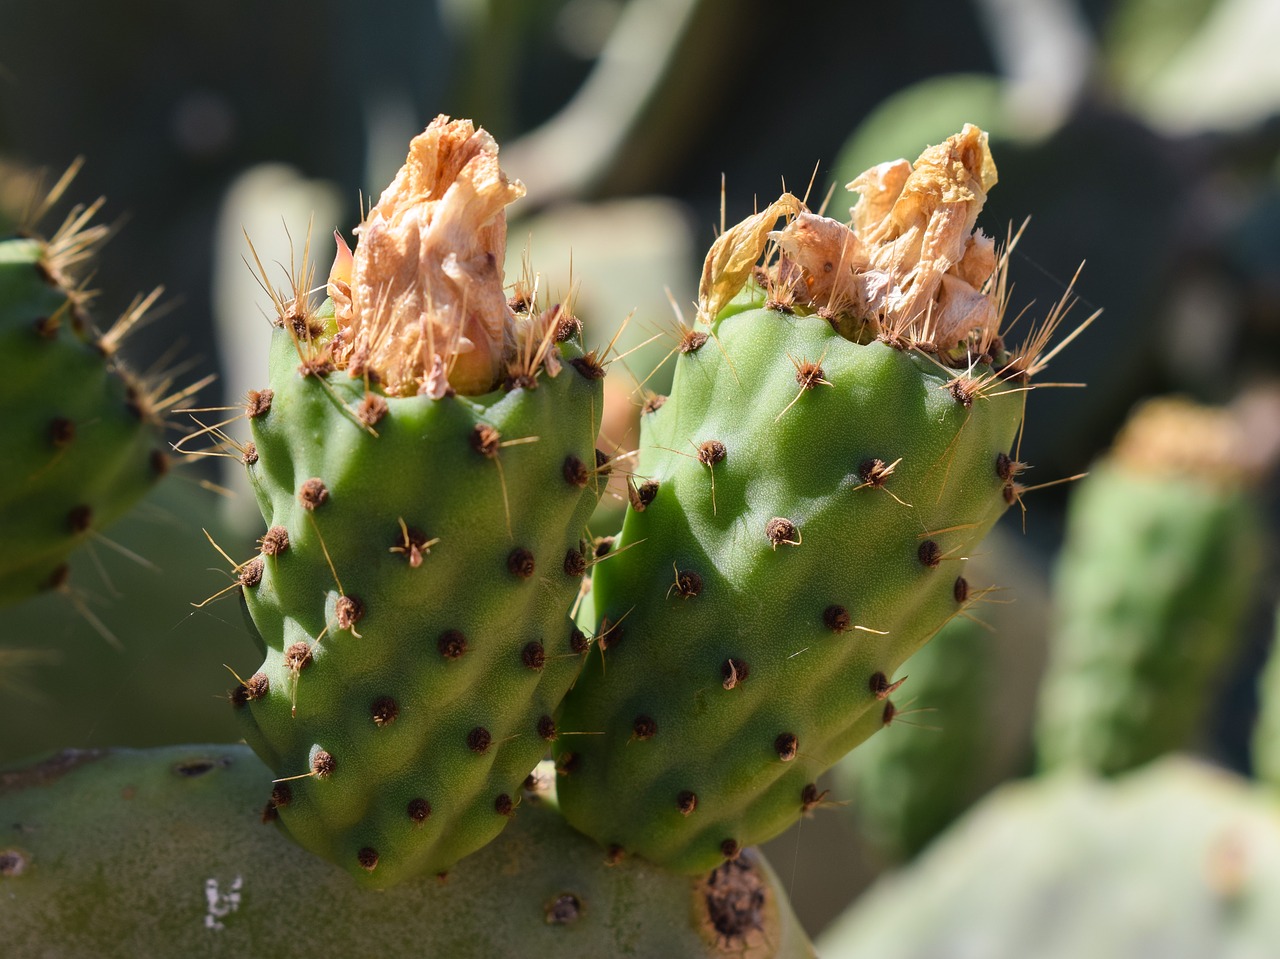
[[1142, 137]]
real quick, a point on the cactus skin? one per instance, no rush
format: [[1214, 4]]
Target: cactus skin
[[177, 864], [908, 783], [429, 737], [1266, 733], [1177, 860], [81, 444], [729, 757], [1157, 572]]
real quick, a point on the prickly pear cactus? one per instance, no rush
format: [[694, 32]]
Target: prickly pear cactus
[[1158, 569], [1177, 860], [836, 440], [82, 436], [187, 870], [425, 464], [910, 781]]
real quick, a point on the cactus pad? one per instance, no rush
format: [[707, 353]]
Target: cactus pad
[[156, 853], [1156, 575], [421, 548], [82, 435], [839, 435]]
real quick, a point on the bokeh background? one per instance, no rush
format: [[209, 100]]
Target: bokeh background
[[1142, 137]]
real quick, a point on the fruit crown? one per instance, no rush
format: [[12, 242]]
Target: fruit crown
[[909, 264], [420, 304]]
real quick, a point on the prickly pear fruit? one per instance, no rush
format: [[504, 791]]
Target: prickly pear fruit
[[425, 465], [156, 853], [833, 446], [1177, 860], [83, 436], [1158, 569]]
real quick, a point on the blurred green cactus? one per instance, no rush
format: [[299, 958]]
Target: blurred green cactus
[[1156, 577]]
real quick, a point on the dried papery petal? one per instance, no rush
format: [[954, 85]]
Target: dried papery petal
[[734, 254], [426, 285], [958, 309], [828, 253], [340, 276], [878, 189], [979, 260], [927, 232]]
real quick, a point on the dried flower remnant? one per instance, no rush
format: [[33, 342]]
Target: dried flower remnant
[[733, 256], [909, 264], [420, 304]]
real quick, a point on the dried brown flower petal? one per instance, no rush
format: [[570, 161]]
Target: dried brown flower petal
[[733, 256], [424, 292], [909, 263]]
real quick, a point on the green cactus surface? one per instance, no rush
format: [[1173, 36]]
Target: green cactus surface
[[803, 508], [910, 781], [1266, 733], [1177, 860], [412, 591], [122, 853], [1156, 575], [82, 439]]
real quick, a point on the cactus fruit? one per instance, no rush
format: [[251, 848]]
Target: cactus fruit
[[909, 782], [1159, 566], [425, 464], [1177, 860], [836, 439], [83, 436], [189, 870]]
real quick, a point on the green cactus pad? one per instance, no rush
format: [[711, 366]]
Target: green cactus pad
[[804, 506], [419, 559], [159, 853], [1176, 860], [1157, 572], [909, 782], [80, 445]]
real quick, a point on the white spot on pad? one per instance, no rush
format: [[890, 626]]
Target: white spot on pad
[[220, 904]]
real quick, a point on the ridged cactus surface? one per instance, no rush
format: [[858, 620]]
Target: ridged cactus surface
[[1156, 575], [82, 441], [838, 437], [422, 548], [126, 853]]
